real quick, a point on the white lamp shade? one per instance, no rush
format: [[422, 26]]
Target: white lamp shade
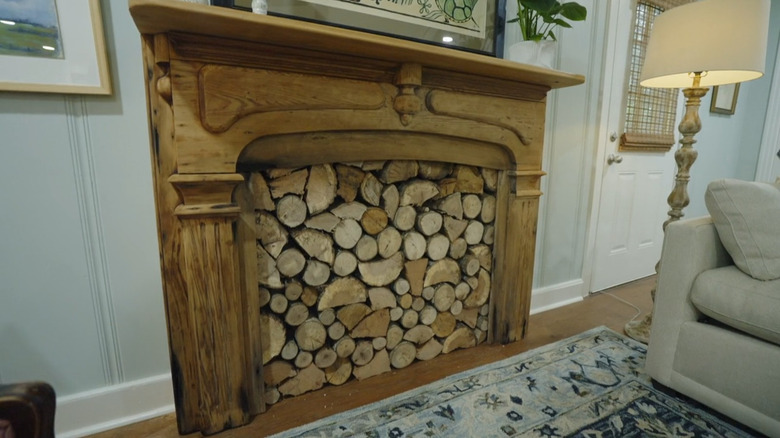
[[724, 39]]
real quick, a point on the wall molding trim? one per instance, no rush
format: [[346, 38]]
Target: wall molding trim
[[90, 412], [81, 149], [557, 295]]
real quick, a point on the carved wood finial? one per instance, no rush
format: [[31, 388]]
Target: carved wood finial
[[406, 103], [162, 63]]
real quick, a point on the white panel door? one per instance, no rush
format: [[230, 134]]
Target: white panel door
[[634, 185]]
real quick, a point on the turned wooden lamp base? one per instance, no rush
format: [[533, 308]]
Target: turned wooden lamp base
[[678, 199]]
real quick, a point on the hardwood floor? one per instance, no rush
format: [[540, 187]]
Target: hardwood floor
[[596, 310]]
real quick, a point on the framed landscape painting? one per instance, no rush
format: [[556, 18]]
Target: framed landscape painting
[[470, 25], [54, 46]]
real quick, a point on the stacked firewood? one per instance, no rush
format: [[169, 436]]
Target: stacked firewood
[[366, 267]]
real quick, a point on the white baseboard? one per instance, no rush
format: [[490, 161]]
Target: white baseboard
[[557, 295], [106, 408]]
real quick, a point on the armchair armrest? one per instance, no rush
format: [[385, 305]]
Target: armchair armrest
[[690, 247]]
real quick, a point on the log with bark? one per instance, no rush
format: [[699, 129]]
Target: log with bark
[[261, 194], [342, 291], [320, 188], [316, 244], [373, 325], [371, 190], [307, 379], [417, 192], [272, 336], [381, 298], [397, 171], [271, 234], [349, 179], [461, 338], [429, 350], [378, 365], [293, 182], [382, 272], [434, 170]]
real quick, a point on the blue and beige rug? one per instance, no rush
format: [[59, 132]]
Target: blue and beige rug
[[590, 385]]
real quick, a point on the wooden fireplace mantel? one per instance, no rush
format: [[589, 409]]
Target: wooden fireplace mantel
[[229, 91]]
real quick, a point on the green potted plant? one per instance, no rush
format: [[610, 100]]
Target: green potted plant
[[537, 20]]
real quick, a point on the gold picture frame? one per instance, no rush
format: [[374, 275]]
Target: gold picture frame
[[80, 65], [724, 99]]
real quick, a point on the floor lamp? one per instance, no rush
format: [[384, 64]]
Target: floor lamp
[[696, 46]]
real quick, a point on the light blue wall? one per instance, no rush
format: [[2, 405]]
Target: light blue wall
[[80, 297], [728, 145], [570, 147]]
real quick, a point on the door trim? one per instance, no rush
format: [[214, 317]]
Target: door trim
[[770, 139]]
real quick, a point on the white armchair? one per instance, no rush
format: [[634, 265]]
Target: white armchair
[[716, 330]]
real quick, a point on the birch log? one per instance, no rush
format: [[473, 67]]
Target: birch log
[[290, 262], [414, 245], [388, 242], [437, 247], [348, 232], [366, 248], [429, 223], [344, 264], [311, 335], [403, 355], [291, 211], [316, 273]]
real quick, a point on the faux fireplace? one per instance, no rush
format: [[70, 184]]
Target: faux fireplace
[[331, 204]]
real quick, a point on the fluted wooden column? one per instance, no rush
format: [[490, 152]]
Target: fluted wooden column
[[518, 204]]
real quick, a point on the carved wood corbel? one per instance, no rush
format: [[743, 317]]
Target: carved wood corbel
[[406, 103]]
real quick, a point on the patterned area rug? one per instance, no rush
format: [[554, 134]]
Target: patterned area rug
[[590, 385]]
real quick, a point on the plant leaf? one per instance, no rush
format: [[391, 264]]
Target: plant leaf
[[574, 11]]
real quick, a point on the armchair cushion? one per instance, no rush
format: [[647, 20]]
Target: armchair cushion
[[747, 217], [733, 298]]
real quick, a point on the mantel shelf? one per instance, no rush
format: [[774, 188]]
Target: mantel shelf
[[165, 16]]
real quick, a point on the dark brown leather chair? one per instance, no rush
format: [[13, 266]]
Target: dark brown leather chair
[[27, 410]]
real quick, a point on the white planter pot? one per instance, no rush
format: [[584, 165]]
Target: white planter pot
[[539, 53]]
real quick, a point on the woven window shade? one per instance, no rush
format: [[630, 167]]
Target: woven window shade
[[650, 112]]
